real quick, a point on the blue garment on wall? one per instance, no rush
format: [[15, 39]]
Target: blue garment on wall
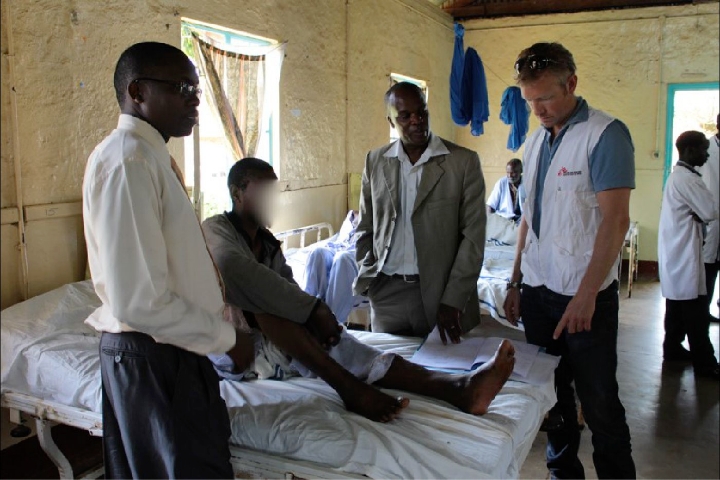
[[468, 87], [514, 112]]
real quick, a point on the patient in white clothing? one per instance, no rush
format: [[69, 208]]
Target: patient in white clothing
[[297, 334]]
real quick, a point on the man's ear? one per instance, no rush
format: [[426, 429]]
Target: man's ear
[[572, 83], [133, 91], [235, 193], [389, 119]]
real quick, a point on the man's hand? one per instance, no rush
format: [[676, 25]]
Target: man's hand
[[448, 322], [323, 325], [243, 352], [512, 306], [578, 315]]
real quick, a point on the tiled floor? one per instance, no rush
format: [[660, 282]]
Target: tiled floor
[[673, 416]]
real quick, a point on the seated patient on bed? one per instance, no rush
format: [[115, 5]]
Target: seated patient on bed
[[297, 334], [331, 270]]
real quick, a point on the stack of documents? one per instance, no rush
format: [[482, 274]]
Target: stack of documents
[[470, 353]]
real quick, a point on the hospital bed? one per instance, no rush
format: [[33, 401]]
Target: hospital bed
[[293, 428]]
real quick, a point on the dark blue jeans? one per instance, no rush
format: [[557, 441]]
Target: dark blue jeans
[[590, 360]]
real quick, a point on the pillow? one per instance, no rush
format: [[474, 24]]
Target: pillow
[[500, 230]]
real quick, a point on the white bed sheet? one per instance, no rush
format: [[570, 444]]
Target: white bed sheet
[[49, 353], [492, 283]]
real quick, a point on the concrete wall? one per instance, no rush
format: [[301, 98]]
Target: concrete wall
[[61, 54], [625, 60]]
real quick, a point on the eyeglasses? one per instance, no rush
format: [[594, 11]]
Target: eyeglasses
[[533, 62], [183, 88]]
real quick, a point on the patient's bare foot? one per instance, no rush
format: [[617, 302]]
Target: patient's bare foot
[[480, 388], [368, 401]]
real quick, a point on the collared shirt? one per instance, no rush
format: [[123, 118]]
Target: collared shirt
[[611, 163], [270, 245], [402, 257], [147, 255]]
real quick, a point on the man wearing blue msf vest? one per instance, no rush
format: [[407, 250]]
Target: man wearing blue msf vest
[[579, 174]]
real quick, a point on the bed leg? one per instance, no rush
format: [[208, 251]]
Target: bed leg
[[44, 433]]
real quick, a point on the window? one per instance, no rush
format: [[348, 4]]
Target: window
[[690, 106], [209, 188], [397, 78]]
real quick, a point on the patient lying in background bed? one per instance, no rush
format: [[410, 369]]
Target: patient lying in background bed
[[297, 334], [331, 269]]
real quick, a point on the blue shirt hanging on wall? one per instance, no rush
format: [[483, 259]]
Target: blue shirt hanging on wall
[[514, 111], [468, 87]]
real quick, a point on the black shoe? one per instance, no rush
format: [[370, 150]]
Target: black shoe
[[552, 422], [678, 354], [711, 371]]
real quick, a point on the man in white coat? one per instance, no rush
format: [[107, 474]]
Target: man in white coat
[[711, 249], [687, 208]]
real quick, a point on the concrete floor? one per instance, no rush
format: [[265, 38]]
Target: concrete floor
[[673, 417]]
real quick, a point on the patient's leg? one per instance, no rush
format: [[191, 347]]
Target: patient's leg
[[471, 393], [359, 397]]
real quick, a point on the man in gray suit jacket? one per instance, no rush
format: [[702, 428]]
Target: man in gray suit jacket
[[421, 234]]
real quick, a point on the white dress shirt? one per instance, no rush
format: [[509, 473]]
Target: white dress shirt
[[402, 257], [147, 255]]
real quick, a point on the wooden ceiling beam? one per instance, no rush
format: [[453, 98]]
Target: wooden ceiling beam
[[494, 8]]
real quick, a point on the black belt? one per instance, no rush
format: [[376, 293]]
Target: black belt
[[407, 278]]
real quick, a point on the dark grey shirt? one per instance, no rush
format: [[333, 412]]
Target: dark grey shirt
[[265, 286]]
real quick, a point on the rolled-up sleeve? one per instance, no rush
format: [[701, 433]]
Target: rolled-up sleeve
[[126, 217]]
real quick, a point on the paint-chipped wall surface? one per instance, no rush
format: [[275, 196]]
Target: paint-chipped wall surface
[[59, 56], [625, 59]]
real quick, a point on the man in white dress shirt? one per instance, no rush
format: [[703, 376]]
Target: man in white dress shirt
[[162, 305], [421, 234], [508, 195]]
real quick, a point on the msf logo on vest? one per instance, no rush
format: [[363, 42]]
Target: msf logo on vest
[[564, 172]]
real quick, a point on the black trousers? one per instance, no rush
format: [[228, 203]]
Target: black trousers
[[711, 273], [690, 317], [163, 416]]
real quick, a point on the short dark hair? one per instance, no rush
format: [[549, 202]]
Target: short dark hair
[[248, 169], [138, 59], [559, 62], [402, 86], [691, 138], [515, 162]]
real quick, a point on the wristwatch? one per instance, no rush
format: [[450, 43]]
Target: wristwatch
[[513, 285]]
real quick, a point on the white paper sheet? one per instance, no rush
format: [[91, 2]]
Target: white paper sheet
[[470, 352]]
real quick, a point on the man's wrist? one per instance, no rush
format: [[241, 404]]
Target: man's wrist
[[511, 285]]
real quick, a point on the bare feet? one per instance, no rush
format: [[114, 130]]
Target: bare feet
[[368, 401], [480, 388]]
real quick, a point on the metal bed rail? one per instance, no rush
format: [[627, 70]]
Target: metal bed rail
[[303, 232]]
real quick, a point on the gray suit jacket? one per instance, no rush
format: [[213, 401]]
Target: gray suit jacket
[[448, 223]]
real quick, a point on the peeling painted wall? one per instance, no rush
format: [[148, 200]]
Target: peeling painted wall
[[625, 59], [339, 54]]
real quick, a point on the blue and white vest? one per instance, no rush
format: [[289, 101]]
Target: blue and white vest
[[570, 212]]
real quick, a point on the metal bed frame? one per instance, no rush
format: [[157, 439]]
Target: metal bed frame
[[318, 228], [246, 463]]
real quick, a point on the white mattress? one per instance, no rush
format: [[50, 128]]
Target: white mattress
[[49, 353], [492, 283]]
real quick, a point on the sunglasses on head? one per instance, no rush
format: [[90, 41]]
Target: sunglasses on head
[[533, 62], [183, 88]]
